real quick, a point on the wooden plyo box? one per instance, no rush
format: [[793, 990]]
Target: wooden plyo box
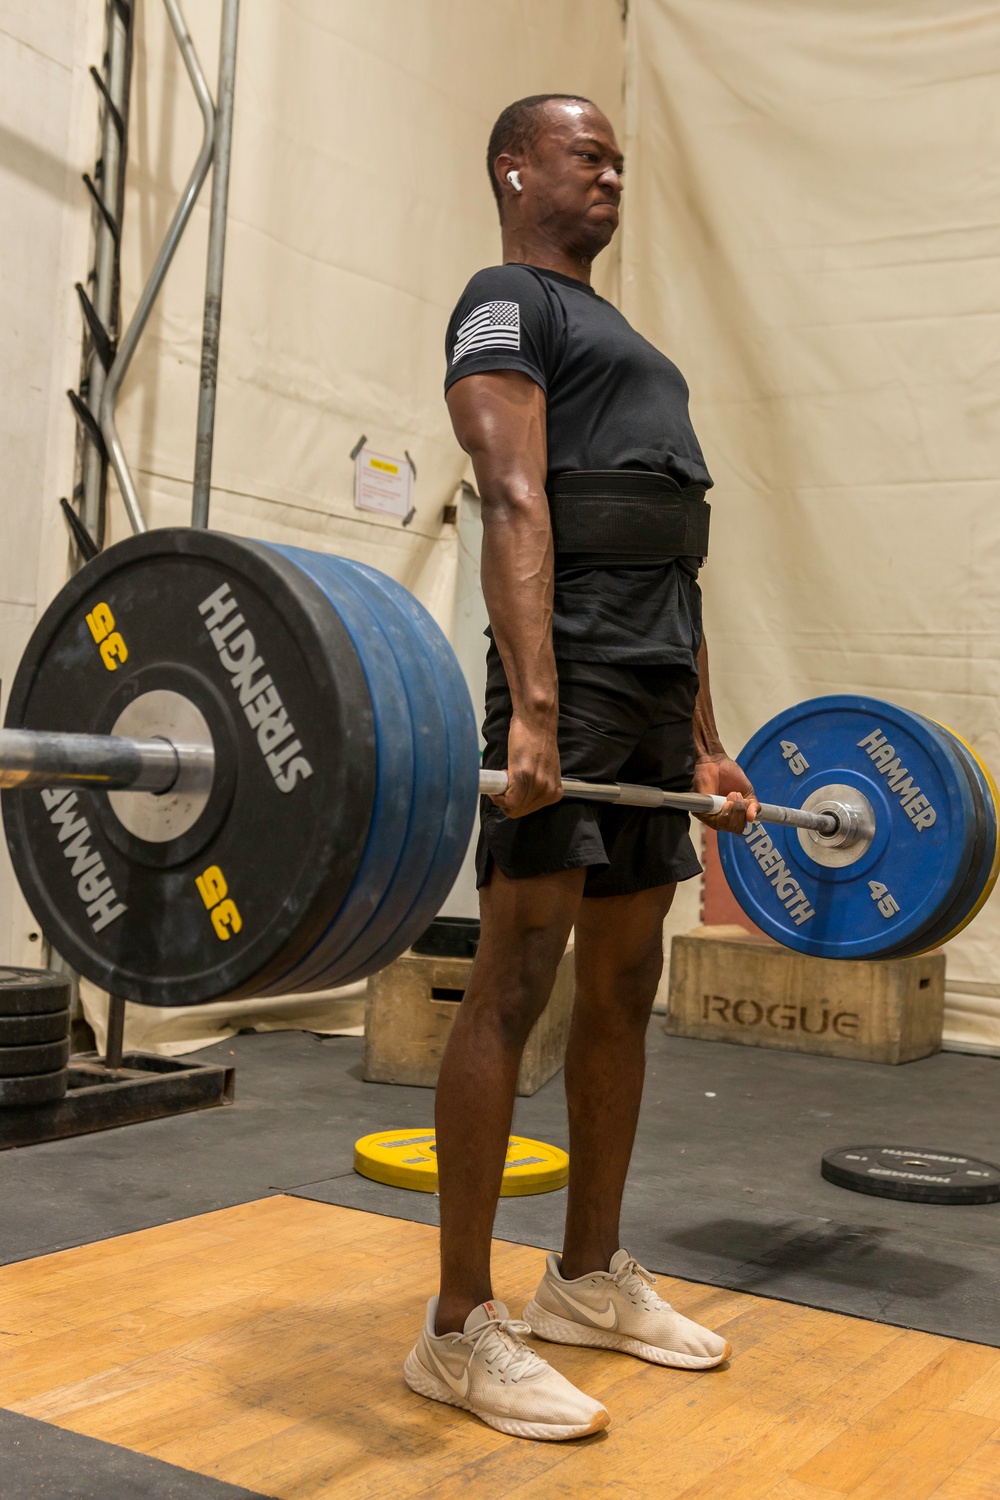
[[729, 986], [412, 1004]]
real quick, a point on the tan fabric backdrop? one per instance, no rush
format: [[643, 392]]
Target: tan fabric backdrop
[[359, 206], [812, 233]]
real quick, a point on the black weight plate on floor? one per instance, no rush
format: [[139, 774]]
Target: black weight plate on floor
[[40, 1088], [286, 836], [43, 1057], [916, 1175], [31, 1031], [33, 992]]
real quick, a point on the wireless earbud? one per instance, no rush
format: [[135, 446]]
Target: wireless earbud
[[514, 178]]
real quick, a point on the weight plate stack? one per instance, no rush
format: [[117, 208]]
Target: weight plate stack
[[984, 864], [393, 787], [34, 1036], [918, 868], [447, 755], [426, 786], [221, 898]]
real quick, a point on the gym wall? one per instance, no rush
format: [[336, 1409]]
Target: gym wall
[[811, 233], [48, 130]]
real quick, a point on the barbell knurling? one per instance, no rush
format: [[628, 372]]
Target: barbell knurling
[[494, 784]]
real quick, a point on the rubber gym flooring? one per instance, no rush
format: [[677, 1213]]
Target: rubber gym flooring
[[234, 1317]]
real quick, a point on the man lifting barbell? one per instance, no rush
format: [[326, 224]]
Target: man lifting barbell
[[592, 484], [240, 768]]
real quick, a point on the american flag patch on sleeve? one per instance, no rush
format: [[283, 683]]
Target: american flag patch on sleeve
[[491, 325]]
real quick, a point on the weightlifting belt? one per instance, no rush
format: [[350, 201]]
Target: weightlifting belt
[[620, 517]]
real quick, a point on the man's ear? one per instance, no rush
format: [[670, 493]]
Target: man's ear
[[506, 163]]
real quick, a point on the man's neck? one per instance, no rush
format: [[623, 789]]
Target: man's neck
[[525, 249]]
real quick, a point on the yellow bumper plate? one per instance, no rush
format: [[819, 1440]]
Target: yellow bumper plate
[[406, 1159]]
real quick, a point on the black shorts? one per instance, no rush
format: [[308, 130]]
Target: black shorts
[[616, 723]]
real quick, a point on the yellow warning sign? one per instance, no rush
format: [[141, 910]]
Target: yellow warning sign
[[407, 1159]]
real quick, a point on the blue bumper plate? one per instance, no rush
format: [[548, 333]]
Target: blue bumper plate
[[906, 879], [983, 864]]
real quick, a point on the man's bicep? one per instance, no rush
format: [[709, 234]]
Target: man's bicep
[[499, 415]]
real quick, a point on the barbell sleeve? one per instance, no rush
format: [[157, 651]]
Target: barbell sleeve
[[494, 784], [101, 762]]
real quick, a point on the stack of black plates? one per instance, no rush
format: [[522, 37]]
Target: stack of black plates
[[34, 1036]]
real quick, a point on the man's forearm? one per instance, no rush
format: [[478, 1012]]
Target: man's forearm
[[517, 574], [499, 419], [706, 735]]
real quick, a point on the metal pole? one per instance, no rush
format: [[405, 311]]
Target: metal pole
[[127, 347], [494, 784], [102, 762], [116, 1032], [105, 289], [216, 258]]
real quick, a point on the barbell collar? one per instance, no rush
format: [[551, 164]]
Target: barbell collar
[[702, 804], [102, 762]]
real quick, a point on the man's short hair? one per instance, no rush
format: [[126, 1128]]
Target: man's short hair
[[516, 129]]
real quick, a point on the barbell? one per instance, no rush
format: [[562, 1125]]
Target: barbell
[[32, 758], [235, 768]]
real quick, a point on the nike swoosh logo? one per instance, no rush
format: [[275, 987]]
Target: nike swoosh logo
[[605, 1318], [459, 1386]]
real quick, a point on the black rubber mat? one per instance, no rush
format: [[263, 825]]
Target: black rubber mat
[[912, 1278], [42, 1462], [725, 1185]]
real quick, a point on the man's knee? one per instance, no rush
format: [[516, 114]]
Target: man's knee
[[525, 925], [625, 977], [509, 991]]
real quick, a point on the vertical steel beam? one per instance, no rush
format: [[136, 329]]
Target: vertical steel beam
[[105, 274], [116, 1032], [216, 259], [132, 334]]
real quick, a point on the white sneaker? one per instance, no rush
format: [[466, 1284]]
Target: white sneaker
[[488, 1370], [615, 1309]]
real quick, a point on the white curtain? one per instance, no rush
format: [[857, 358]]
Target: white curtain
[[812, 234]]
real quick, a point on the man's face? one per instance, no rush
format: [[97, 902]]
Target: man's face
[[574, 171]]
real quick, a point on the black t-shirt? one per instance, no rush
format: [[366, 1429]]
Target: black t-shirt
[[613, 402]]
